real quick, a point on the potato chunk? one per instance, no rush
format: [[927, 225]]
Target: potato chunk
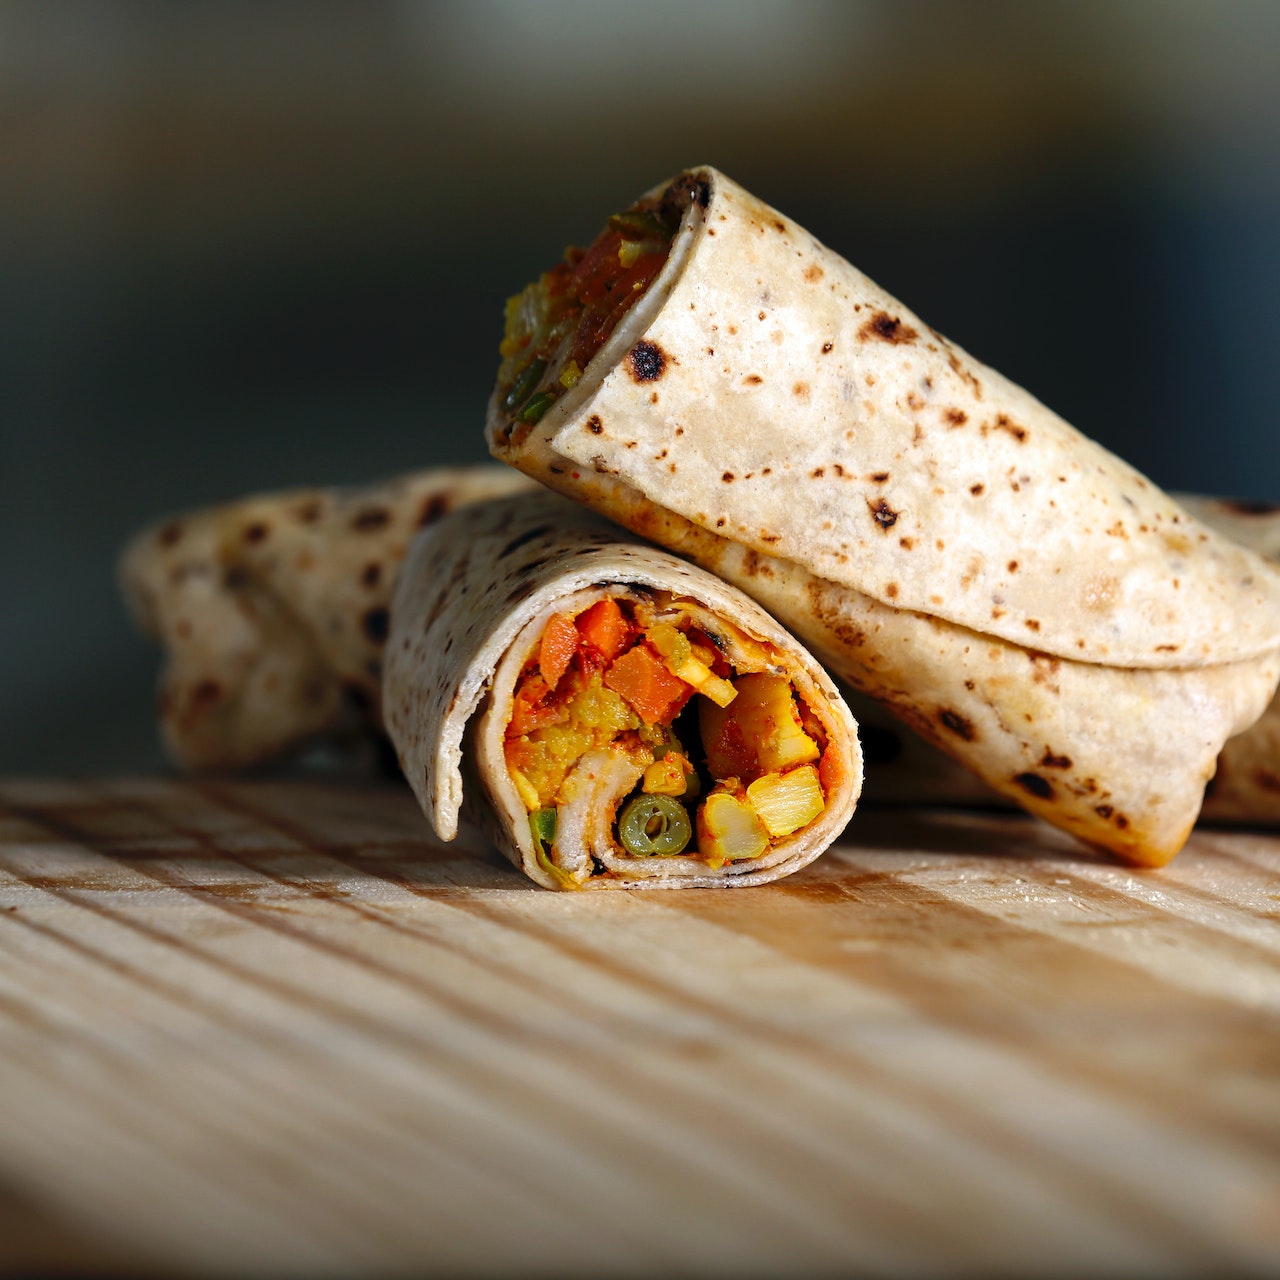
[[759, 732], [729, 829], [785, 802]]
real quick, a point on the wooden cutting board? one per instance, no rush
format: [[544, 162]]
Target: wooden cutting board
[[273, 1027]]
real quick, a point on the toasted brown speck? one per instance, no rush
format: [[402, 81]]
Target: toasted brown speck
[[977, 489], [256, 532], [958, 724], [370, 518], [594, 425], [1033, 784], [372, 574], [827, 348], [882, 513], [886, 328]]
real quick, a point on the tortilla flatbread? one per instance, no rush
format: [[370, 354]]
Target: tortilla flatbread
[[274, 610]]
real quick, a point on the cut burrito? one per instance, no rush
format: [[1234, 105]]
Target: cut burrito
[[273, 611], [713, 378], [627, 720]]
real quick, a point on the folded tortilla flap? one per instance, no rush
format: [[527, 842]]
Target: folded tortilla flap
[[273, 610], [769, 392], [475, 600]]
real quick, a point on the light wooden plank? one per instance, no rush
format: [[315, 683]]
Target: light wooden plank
[[273, 1026]]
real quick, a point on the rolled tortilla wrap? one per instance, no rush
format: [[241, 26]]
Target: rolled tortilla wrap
[[273, 610], [635, 722], [712, 377]]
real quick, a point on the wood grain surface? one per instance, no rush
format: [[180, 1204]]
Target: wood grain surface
[[273, 1028]]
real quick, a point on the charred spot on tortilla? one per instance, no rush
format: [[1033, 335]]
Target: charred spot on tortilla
[[523, 540], [594, 425], [432, 509], [1034, 785], [370, 518], [882, 513], [886, 328], [958, 724], [1051, 761], [205, 694], [256, 532], [371, 575], [376, 623], [647, 361]]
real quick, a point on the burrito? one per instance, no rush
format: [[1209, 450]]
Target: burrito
[[273, 611], [620, 718], [710, 376]]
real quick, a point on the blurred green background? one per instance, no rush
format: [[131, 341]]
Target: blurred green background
[[250, 245]]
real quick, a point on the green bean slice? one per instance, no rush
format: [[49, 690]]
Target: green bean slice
[[524, 385], [651, 825]]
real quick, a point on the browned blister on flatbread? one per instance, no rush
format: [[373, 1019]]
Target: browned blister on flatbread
[[274, 610], [945, 542], [743, 737]]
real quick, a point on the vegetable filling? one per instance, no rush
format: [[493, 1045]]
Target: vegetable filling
[[558, 324], [723, 758]]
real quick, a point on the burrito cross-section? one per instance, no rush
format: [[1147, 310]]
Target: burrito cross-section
[[711, 376], [612, 716]]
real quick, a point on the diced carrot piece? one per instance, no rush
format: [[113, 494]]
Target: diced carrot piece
[[559, 644], [605, 628], [642, 679]]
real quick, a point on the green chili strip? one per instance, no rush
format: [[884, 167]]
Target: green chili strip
[[636, 224], [536, 407], [524, 386], [542, 826], [654, 825]]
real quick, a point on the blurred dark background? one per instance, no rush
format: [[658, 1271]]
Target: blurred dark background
[[249, 245]]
